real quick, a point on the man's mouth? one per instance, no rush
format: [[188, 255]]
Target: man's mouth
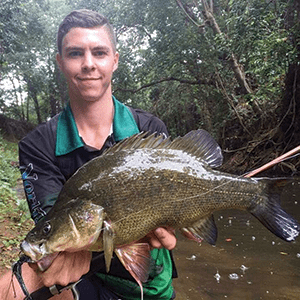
[[87, 78]]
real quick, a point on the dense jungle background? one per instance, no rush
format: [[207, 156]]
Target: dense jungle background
[[230, 67]]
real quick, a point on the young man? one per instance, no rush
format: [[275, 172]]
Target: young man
[[92, 121]]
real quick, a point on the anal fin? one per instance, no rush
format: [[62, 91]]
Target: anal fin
[[136, 259], [204, 229]]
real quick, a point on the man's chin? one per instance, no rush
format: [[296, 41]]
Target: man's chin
[[90, 95], [91, 98]]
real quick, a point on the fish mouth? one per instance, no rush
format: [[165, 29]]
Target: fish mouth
[[34, 251]]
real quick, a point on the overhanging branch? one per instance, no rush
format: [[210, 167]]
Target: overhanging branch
[[186, 81]]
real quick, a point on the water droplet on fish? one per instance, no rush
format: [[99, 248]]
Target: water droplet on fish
[[273, 243], [253, 238], [193, 257], [233, 276]]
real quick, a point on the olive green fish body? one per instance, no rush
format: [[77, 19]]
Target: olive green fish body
[[142, 200]]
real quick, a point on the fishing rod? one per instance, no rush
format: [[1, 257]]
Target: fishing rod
[[274, 162]]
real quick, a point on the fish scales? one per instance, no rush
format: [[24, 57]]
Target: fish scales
[[147, 182], [148, 191], [161, 200]]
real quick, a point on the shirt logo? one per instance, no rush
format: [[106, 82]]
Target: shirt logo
[[29, 177]]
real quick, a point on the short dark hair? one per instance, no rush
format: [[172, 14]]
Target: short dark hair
[[86, 19]]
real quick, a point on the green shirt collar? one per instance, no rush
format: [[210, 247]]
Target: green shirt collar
[[67, 136]]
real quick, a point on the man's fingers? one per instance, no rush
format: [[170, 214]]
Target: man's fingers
[[165, 238], [67, 267]]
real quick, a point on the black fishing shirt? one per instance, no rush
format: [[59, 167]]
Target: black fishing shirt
[[51, 154]]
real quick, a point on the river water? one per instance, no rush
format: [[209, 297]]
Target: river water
[[248, 262]]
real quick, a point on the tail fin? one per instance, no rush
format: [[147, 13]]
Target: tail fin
[[272, 216]]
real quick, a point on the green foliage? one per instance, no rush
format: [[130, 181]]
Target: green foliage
[[256, 34], [6, 194], [9, 174], [179, 69], [30, 79], [14, 213], [23, 210]]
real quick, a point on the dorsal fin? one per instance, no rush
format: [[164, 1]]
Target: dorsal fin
[[198, 143], [139, 141]]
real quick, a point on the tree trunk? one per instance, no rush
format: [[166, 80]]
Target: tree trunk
[[238, 72], [32, 93], [54, 104], [62, 90]]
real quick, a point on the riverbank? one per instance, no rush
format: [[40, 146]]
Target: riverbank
[[14, 225]]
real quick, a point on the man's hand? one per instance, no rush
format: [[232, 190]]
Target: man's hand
[[67, 267], [70, 266], [161, 238]]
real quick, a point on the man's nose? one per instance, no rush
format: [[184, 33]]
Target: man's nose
[[88, 62]]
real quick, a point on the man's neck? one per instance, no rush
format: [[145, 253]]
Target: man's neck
[[94, 120]]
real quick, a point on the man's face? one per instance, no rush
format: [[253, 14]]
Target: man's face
[[88, 62]]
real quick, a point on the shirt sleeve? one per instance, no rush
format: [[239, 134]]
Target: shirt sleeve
[[42, 178], [148, 122]]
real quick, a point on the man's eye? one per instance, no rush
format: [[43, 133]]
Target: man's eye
[[74, 53], [99, 53]]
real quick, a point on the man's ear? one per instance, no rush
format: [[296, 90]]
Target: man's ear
[[116, 61], [59, 61]]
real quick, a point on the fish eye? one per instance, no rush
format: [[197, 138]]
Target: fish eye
[[46, 229]]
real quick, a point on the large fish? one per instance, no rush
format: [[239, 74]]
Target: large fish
[[147, 182]]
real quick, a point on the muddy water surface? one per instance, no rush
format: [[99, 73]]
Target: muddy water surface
[[248, 262]]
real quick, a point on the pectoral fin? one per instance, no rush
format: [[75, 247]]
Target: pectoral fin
[[108, 244], [204, 229]]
